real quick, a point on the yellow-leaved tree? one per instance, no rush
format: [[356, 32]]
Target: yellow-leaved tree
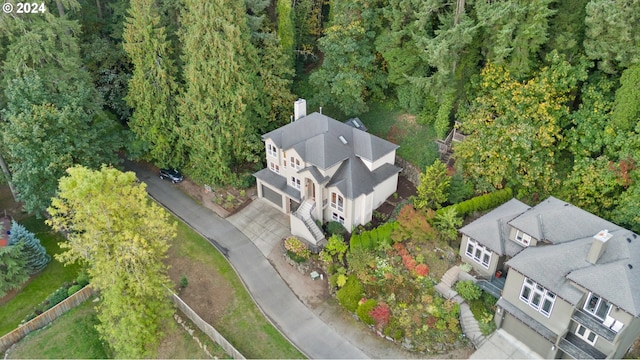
[[121, 237]]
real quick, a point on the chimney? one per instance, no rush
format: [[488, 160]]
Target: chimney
[[299, 109], [598, 246]]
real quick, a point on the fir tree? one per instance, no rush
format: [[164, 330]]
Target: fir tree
[[13, 271], [33, 253]]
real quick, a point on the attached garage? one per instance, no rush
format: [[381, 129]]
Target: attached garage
[[272, 196]]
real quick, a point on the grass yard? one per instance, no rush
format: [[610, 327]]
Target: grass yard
[[41, 285], [225, 304], [71, 336]]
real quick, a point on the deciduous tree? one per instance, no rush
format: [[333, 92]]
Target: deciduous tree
[[121, 237]]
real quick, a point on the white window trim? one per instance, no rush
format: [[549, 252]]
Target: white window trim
[[483, 252], [296, 163], [272, 150], [537, 291], [336, 217], [586, 334], [295, 182], [274, 167], [522, 238], [336, 204], [600, 300]]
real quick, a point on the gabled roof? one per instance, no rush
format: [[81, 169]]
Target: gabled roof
[[492, 231], [556, 221], [556, 267], [316, 138], [353, 178]]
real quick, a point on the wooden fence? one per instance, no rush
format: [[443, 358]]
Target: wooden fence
[[45, 318], [206, 328]]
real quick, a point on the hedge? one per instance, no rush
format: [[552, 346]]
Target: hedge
[[480, 203], [372, 238]]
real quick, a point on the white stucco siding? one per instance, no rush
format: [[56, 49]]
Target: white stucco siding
[[390, 158], [384, 190]]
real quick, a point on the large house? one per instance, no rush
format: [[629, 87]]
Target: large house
[[320, 170], [567, 280]]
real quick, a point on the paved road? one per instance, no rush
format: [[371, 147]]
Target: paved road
[[301, 326]]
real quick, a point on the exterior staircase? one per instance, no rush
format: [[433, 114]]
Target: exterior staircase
[[304, 213], [445, 146]]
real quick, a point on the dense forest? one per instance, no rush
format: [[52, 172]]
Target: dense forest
[[548, 92]]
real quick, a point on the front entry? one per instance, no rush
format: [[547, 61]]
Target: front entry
[[310, 189]]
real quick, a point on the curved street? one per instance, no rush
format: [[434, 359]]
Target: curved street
[[299, 324]]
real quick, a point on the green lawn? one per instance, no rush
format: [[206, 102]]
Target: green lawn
[[42, 284], [243, 323]]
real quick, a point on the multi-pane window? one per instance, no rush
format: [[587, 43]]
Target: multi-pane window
[[295, 182], [338, 218], [274, 167], [295, 163], [586, 334], [537, 297], [523, 238], [597, 306], [272, 150], [478, 253], [337, 201]]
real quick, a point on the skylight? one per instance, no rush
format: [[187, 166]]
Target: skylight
[[344, 141], [355, 122]]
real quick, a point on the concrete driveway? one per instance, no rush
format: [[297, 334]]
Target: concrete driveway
[[263, 224], [501, 345]]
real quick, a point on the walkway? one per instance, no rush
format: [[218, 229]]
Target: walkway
[[300, 325]]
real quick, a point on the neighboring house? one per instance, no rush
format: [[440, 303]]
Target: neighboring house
[[321, 170], [571, 288]]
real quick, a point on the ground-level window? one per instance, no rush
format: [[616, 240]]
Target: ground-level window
[[295, 182], [337, 201], [337, 217], [478, 253], [274, 167], [597, 306], [586, 334], [537, 297]]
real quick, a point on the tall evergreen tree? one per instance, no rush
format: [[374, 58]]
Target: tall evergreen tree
[[13, 269], [350, 73], [214, 124], [35, 255], [152, 89], [626, 109]]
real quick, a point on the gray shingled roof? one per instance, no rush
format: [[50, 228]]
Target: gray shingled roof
[[353, 178], [556, 221], [491, 230], [316, 139], [278, 182], [556, 266]]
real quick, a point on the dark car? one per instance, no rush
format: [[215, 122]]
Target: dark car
[[171, 174]]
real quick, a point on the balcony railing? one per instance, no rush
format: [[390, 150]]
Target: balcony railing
[[593, 324]]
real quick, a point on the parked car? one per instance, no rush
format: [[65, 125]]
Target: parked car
[[171, 174]]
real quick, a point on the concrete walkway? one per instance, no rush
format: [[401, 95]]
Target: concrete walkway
[[299, 324], [501, 345]]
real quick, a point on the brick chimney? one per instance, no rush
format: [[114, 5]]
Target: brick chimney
[[598, 246], [299, 109]]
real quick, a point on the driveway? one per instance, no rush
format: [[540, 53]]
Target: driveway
[[263, 224], [501, 345], [299, 324]]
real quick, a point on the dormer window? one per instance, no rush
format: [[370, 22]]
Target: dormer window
[[597, 306], [272, 150], [522, 238]]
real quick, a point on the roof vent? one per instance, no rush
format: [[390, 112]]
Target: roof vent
[[630, 266], [629, 240], [344, 141], [598, 246]]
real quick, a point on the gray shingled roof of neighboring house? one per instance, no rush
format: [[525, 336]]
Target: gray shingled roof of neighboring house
[[556, 266], [556, 221], [315, 138], [491, 230]]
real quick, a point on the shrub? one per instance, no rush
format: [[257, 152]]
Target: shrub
[[468, 290], [83, 279], [57, 297], [184, 281], [381, 315], [364, 310], [350, 294], [480, 203], [72, 290], [335, 227], [295, 246]]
